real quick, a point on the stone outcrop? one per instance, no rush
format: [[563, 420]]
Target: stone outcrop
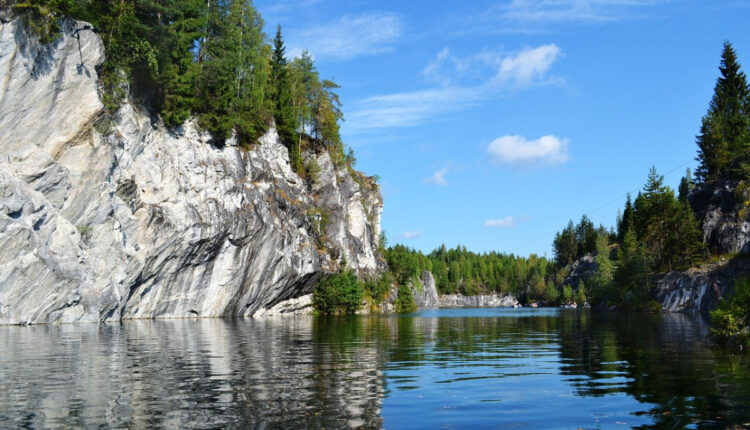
[[104, 219], [426, 297], [479, 301], [580, 270], [717, 209], [699, 289]]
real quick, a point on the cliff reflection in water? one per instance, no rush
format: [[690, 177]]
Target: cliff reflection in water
[[541, 368], [189, 374]]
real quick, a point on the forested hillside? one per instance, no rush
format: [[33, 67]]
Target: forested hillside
[[210, 59], [658, 232]]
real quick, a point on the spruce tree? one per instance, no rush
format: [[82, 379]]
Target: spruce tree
[[283, 107], [724, 139], [686, 186], [626, 222]]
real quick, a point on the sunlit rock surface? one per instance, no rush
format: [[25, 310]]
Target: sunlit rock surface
[[479, 301], [700, 289], [427, 296], [103, 220]]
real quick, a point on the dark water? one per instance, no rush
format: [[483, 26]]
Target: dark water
[[476, 368]]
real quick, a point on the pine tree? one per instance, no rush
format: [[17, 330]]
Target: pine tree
[[724, 139], [626, 221], [686, 186], [631, 275], [689, 238], [600, 284], [283, 106], [565, 245]]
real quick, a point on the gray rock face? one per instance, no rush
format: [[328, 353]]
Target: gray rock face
[[101, 222], [428, 297], [484, 301], [580, 270], [699, 289], [717, 207]]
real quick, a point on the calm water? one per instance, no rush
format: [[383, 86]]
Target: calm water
[[475, 368]]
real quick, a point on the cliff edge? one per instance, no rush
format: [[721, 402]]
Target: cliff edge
[[107, 219]]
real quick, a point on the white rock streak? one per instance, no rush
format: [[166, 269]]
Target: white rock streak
[[141, 222]]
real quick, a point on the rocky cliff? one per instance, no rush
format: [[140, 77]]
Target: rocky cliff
[[108, 219], [427, 296], [699, 289], [717, 208], [479, 301]]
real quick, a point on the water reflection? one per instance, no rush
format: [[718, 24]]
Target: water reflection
[[187, 374], [478, 368]]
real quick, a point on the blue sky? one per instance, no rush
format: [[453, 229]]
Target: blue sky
[[492, 123]]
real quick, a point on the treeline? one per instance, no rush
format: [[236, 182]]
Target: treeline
[[205, 58], [459, 271], [657, 232]]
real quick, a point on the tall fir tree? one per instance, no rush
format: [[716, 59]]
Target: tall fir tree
[[626, 222], [282, 102], [686, 186], [724, 139]]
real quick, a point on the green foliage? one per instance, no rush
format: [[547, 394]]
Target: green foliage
[[580, 297], [686, 186], [234, 72], [404, 264], [567, 294], [41, 17], [601, 283], [551, 296], [339, 293], [405, 300], [209, 59], [656, 232], [312, 171], [461, 271], [319, 219], [378, 287], [724, 139], [575, 241], [86, 231], [731, 318]]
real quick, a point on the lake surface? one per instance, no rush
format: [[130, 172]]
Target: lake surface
[[449, 368]]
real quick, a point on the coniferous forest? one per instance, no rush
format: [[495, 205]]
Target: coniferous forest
[[207, 59], [211, 60]]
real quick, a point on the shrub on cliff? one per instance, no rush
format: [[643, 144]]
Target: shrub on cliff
[[338, 294], [377, 287], [405, 301], [731, 319]]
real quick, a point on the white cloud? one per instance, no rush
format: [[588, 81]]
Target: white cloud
[[351, 36], [412, 235], [409, 108], [528, 65], [507, 222], [434, 71], [534, 15], [517, 151], [438, 178], [526, 68]]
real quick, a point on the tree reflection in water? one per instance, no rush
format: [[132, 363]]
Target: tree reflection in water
[[463, 368]]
